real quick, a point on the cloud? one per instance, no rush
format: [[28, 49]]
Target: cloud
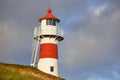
[[16, 27], [92, 43], [98, 10], [105, 75], [13, 41], [108, 72]]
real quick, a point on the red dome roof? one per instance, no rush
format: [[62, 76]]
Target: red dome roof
[[49, 15]]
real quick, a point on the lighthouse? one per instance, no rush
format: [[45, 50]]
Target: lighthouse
[[48, 35]]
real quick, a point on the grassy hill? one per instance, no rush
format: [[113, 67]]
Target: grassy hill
[[21, 72]]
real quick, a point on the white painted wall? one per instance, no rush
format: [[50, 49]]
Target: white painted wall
[[49, 29], [44, 65], [43, 22], [48, 40]]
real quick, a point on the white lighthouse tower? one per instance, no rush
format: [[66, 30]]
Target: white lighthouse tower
[[48, 35]]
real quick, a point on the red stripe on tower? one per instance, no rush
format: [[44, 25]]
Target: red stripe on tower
[[48, 50]]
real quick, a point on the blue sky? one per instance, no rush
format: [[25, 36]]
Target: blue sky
[[91, 48]]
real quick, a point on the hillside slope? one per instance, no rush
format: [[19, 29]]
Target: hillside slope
[[20, 72]]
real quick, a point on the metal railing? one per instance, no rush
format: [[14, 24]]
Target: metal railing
[[48, 31]]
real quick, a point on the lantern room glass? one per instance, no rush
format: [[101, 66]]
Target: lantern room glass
[[50, 22]]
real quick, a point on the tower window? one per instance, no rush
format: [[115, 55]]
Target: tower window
[[51, 22], [51, 69], [54, 23]]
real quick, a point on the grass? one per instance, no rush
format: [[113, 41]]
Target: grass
[[21, 72], [6, 74]]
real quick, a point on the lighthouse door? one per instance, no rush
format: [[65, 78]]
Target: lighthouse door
[[51, 68]]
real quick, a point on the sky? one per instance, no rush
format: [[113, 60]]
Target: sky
[[91, 46]]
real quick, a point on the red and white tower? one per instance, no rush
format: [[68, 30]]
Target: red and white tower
[[49, 34]]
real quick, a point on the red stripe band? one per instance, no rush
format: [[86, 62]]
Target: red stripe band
[[48, 50]]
